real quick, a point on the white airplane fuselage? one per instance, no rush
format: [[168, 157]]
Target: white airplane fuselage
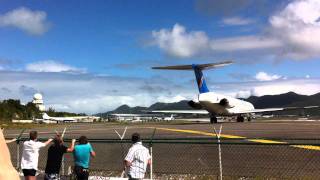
[[210, 101]]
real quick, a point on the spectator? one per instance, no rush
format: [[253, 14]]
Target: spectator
[[137, 158], [82, 153], [54, 158], [30, 155], [7, 171]]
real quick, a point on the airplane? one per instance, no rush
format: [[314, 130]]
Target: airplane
[[171, 118], [45, 116], [140, 117], [216, 104]]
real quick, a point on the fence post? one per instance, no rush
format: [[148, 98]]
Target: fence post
[[18, 153], [63, 160], [123, 155], [219, 148], [18, 148], [151, 159]]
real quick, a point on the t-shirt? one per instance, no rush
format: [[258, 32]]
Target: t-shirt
[[54, 158], [138, 155], [30, 154], [81, 155]]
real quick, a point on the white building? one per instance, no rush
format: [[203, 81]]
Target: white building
[[38, 101]]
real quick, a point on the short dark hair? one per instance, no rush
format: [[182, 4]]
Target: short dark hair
[[33, 135], [83, 140], [58, 140], [135, 137]]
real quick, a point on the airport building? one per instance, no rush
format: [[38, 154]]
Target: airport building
[[38, 101]]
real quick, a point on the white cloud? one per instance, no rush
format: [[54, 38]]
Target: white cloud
[[182, 44], [237, 21], [263, 76], [243, 94], [89, 93], [84, 92], [170, 99], [243, 43], [298, 27], [260, 88], [33, 22], [293, 32], [51, 66], [284, 87], [179, 43]]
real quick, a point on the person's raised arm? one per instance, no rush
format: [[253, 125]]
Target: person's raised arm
[[48, 141], [10, 141], [71, 148], [7, 170], [92, 153]]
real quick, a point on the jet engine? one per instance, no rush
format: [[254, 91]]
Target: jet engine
[[194, 104], [225, 103]]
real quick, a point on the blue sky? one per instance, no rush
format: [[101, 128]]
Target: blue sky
[[91, 56]]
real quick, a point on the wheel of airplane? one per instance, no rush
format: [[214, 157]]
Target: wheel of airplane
[[249, 119], [213, 119], [240, 119]]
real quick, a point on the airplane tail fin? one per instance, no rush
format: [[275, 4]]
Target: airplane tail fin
[[45, 116], [197, 68]]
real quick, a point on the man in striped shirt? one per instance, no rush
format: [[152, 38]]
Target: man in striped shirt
[[137, 158]]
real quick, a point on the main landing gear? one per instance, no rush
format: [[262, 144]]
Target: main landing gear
[[240, 118], [213, 120]]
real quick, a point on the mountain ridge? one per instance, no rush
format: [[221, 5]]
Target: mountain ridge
[[289, 99]]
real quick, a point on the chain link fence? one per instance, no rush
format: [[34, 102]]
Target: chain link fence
[[198, 158]]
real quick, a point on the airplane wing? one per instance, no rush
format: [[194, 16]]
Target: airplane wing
[[182, 111], [273, 109], [190, 67], [236, 112]]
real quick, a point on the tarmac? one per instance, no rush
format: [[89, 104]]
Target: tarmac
[[259, 149]]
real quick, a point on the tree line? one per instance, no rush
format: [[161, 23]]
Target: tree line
[[13, 109]]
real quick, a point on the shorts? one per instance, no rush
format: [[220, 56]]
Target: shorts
[[81, 173], [29, 172], [51, 177]]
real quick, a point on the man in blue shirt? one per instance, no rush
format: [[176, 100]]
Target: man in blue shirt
[[82, 153]]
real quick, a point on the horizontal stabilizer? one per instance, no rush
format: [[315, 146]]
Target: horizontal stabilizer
[[190, 67]]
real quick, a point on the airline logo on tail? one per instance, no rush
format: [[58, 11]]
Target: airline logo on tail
[[202, 86]]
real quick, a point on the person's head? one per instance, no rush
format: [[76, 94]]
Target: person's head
[[33, 135], [135, 137], [83, 140], [57, 140]]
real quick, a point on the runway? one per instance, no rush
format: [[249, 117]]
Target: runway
[[250, 149]]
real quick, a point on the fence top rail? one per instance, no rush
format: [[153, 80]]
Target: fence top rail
[[192, 139], [211, 141]]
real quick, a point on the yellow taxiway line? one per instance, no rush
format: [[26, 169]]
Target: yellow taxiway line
[[265, 141]]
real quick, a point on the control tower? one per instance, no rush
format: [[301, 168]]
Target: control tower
[[38, 101]]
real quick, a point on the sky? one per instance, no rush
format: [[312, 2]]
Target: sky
[[93, 56]]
